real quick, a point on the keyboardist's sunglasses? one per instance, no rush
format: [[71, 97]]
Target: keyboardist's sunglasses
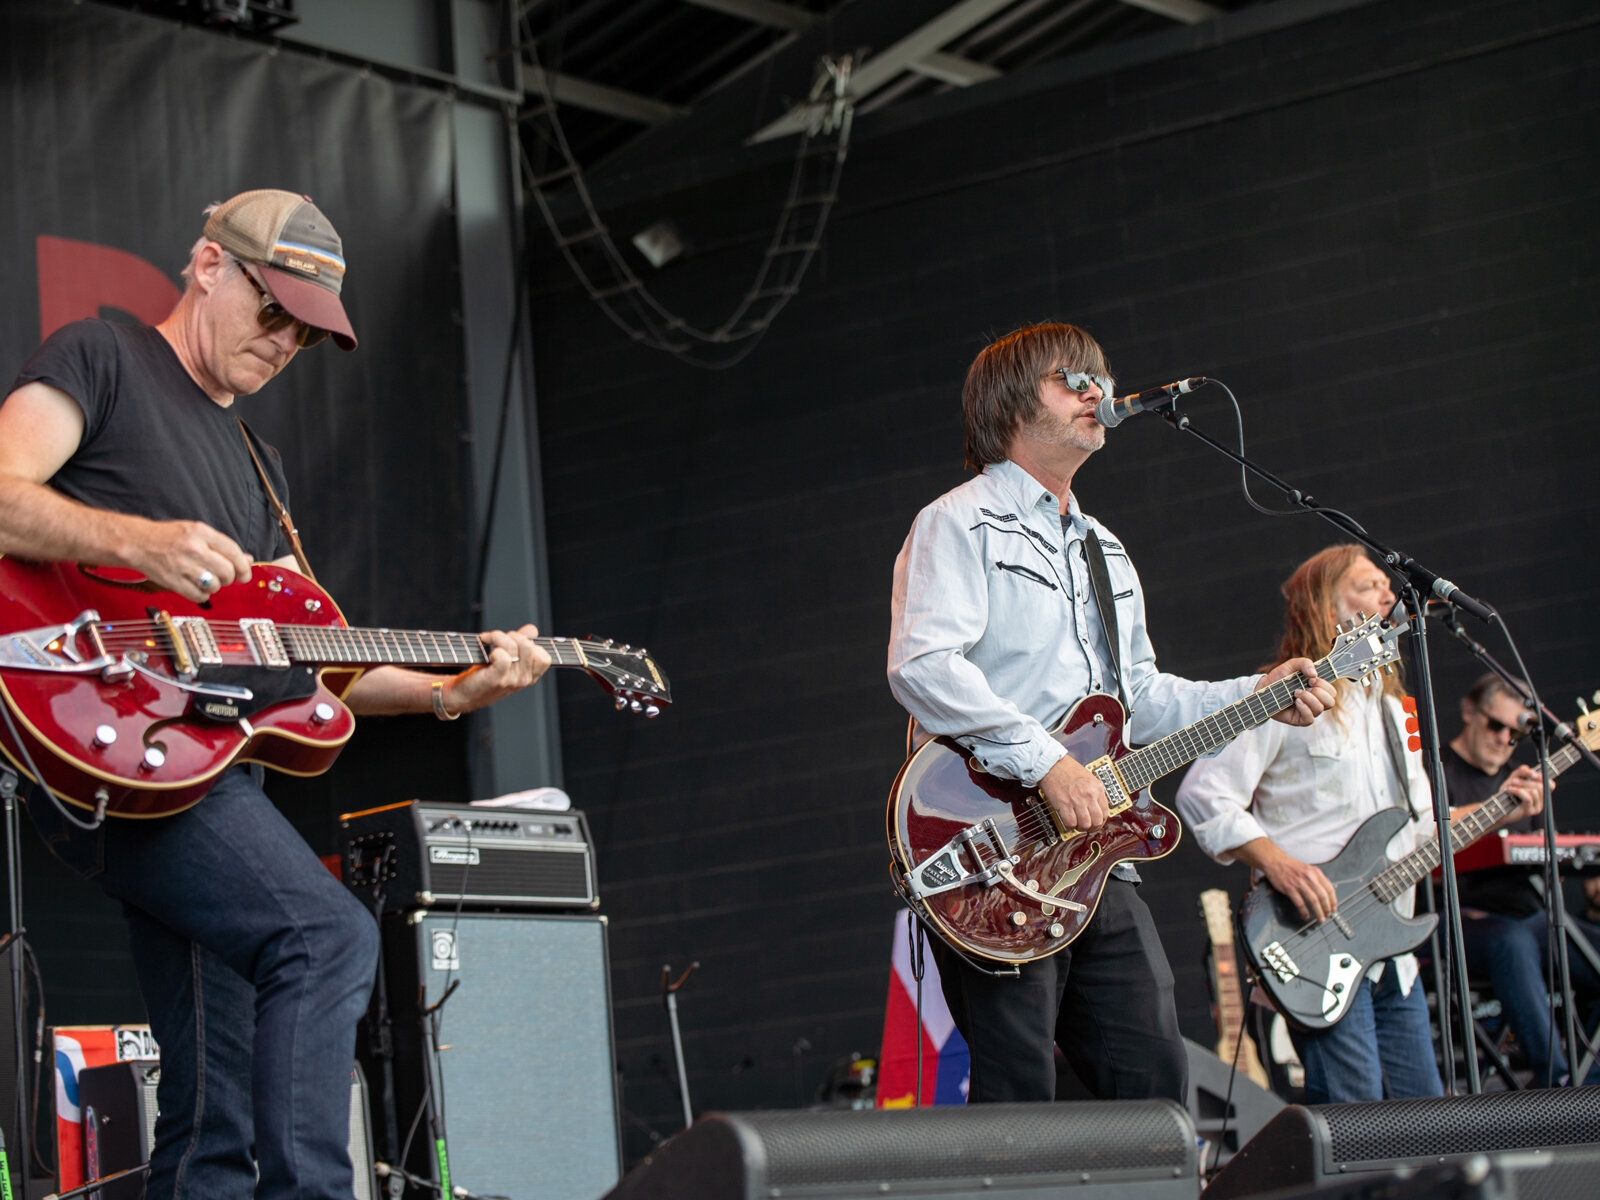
[[1517, 731], [274, 316]]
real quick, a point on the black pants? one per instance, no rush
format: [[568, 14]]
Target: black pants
[[1106, 1000]]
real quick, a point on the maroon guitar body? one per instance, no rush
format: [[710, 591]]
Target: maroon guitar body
[[129, 700], [949, 793], [986, 864]]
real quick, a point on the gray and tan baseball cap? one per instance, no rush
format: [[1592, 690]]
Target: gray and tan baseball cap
[[298, 250]]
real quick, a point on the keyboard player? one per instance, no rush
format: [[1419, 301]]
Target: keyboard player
[[1503, 916]]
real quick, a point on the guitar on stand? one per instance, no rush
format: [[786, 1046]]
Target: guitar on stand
[[136, 704], [985, 862], [1232, 1040], [1311, 970]]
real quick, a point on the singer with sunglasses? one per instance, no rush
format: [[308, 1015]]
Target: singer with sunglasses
[[1503, 919], [122, 445], [996, 633]]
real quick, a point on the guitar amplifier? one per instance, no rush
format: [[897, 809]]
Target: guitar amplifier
[[425, 855]]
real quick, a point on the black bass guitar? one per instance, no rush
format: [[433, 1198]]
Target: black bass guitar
[[1311, 969]]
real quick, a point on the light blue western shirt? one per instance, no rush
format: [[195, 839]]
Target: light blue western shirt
[[995, 633]]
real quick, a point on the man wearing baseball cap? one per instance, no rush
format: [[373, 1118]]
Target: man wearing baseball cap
[[121, 445]]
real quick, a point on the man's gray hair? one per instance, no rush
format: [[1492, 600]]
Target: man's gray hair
[[187, 274]]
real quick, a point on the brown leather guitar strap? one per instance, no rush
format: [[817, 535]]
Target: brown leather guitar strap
[[1100, 578], [285, 521]]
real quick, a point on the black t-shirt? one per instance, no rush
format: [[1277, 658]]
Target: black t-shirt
[[154, 444], [1495, 889]]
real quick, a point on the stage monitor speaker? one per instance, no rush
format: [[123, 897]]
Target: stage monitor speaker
[[528, 1083], [119, 1126], [1303, 1146], [1226, 1105], [1090, 1150]]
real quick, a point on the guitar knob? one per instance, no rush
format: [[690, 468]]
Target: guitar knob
[[313, 605], [1057, 929], [1345, 962], [1019, 918], [154, 758], [621, 702], [104, 736], [322, 713]]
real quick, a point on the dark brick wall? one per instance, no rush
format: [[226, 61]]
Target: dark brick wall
[[1376, 226]]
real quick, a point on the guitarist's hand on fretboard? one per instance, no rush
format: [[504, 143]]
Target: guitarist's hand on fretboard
[[1309, 703]]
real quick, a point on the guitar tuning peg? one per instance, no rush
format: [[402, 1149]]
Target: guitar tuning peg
[[651, 710], [1338, 627], [1388, 668], [1595, 699], [621, 702], [636, 706], [1583, 709]]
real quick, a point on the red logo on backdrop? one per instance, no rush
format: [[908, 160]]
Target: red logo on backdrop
[[79, 279]]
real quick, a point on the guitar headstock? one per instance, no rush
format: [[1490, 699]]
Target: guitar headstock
[[1218, 911], [1369, 646], [629, 674], [1588, 725]]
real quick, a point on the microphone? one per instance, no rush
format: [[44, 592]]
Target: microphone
[[1113, 412]]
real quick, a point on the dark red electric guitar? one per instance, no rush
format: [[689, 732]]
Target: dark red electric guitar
[[135, 704], [984, 861]]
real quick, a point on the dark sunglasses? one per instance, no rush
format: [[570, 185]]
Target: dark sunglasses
[[1517, 731], [274, 316]]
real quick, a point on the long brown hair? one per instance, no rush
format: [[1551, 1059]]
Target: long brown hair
[[1312, 595], [1002, 389]]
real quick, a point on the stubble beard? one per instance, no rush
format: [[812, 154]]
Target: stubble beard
[[1049, 429]]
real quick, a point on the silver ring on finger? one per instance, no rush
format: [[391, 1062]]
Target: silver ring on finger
[[207, 581]]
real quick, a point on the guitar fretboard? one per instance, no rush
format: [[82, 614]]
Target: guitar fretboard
[[1401, 876], [404, 647], [1143, 767]]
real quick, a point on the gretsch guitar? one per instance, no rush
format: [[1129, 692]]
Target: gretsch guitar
[[135, 705], [985, 861], [1311, 969]]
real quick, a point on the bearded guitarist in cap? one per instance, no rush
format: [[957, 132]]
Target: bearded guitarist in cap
[[120, 445], [995, 634]]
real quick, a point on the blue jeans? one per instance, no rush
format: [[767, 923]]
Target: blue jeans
[[255, 964], [1514, 953], [1382, 1050]]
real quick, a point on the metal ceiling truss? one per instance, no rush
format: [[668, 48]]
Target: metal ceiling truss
[[609, 278]]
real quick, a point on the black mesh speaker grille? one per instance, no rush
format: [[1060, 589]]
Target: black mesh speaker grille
[[533, 876], [1402, 1129], [1151, 1137]]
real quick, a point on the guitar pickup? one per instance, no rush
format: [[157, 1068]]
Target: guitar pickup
[[265, 641], [941, 871], [196, 635]]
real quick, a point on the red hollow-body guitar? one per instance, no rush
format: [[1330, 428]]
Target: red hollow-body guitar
[[984, 860], [136, 703]]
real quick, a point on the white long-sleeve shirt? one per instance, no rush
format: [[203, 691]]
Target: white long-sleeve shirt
[[1309, 789], [995, 633]]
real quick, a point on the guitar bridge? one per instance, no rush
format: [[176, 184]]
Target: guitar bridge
[[942, 871], [1280, 962]]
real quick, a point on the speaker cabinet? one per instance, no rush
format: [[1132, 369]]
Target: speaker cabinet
[[1093, 1150], [119, 1123], [525, 1076], [1306, 1146], [119, 1126]]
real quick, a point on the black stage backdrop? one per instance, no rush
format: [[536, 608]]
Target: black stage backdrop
[[115, 131], [1377, 227]]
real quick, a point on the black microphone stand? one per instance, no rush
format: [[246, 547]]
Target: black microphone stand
[[1546, 722], [1410, 575]]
